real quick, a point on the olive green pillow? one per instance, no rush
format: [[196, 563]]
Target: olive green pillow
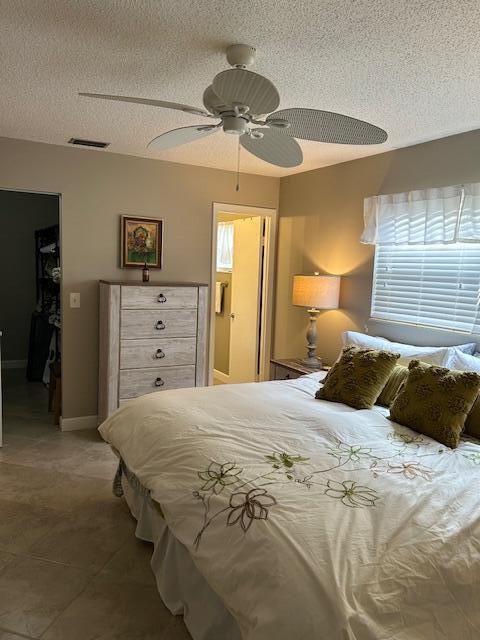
[[394, 383], [358, 377], [472, 423], [435, 401]]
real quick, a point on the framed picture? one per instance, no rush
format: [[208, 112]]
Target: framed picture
[[141, 242]]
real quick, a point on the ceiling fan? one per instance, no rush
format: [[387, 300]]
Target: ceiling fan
[[239, 98]]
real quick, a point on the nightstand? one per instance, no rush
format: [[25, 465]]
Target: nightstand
[[290, 368]]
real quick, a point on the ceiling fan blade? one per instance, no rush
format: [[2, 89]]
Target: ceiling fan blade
[[326, 126], [274, 147], [176, 137], [214, 103], [152, 103], [246, 88]]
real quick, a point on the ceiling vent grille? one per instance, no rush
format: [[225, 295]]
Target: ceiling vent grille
[[88, 143]]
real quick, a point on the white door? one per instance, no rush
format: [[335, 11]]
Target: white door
[[245, 305]]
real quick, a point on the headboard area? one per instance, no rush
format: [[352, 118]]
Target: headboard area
[[422, 336]]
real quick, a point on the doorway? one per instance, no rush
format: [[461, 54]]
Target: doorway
[[30, 313], [242, 284]]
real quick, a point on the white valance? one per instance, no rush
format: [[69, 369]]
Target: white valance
[[441, 215]]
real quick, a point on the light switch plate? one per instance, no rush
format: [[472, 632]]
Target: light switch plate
[[74, 301]]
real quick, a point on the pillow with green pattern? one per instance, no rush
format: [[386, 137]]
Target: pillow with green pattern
[[472, 423], [393, 385], [463, 362], [435, 401], [358, 377]]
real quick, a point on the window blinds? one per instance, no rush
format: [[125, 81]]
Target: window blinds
[[434, 284]]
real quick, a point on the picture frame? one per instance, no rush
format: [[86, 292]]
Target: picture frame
[[141, 241]]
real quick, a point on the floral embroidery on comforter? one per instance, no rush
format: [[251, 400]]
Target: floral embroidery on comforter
[[308, 518]]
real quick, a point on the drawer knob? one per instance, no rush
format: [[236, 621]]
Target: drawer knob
[[160, 325], [159, 382], [161, 298], [159, 354]]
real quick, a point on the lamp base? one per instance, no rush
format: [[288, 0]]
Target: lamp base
[[312, 362]]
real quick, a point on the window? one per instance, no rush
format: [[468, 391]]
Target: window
[[427, 256], [428, 284], [224, 246]]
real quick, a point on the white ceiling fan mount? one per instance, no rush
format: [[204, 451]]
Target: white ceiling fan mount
[[240, 99], [241, 55]]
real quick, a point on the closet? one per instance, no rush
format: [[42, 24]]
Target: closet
[[30, 292], [44, 358]]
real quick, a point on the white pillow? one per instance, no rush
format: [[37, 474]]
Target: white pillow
[[460, 361], [318, 376], [363, 340], [431, 355]]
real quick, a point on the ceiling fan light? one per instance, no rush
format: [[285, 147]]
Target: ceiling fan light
[[235, 126]]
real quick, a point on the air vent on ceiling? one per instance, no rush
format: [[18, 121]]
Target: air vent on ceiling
[[88, 143]]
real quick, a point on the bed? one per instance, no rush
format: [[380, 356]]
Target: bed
[[278, 516]]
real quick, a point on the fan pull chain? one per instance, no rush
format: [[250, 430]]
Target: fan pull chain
[[237, 187]]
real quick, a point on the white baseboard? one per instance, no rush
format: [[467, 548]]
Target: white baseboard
[[76, 424], [223, 377], [14, 364]]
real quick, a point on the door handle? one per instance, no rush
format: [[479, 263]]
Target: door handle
[[232, 316]]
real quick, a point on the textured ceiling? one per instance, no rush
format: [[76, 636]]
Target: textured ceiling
[[411, 67]]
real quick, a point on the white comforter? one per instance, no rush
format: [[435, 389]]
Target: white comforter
[[312, 520]]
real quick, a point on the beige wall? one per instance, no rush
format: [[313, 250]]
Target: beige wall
[[320, 226], [321, 219], [21, 214], [97, 187]]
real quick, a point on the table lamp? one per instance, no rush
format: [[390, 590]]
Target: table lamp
[[316, 292]]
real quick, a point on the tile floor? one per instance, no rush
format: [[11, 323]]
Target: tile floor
[[70, 565]]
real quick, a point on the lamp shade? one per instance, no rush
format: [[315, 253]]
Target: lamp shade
[[316, 291]]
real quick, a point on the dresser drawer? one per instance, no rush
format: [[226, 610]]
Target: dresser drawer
[[138, 382], [164, 323], [159, 297], [161, 352]]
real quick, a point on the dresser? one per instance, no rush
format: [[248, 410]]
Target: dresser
[[152, 337]]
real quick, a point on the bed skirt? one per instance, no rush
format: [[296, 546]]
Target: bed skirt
[[182, 588]]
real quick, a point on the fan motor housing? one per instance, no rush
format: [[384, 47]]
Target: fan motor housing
[[235, 125], [241, 55]]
